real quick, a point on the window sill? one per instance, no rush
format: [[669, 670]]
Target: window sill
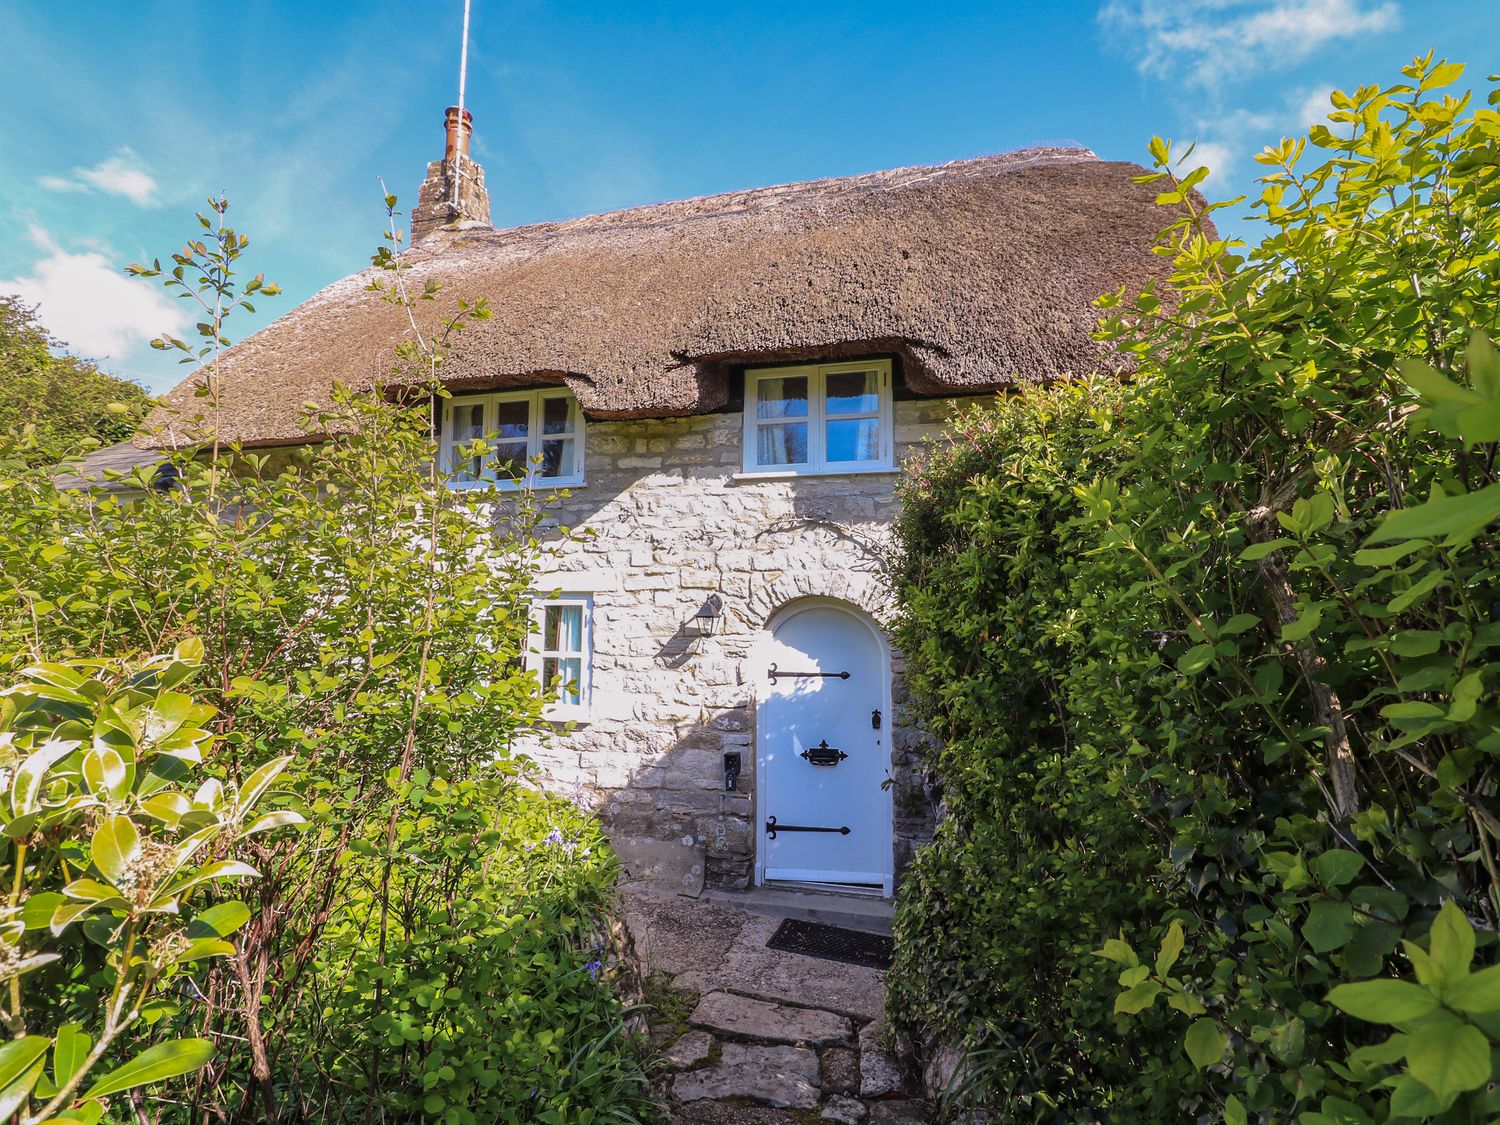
[[515, 486], [814, 474], [559, 716]]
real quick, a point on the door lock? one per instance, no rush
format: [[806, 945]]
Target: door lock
[[731, 770], [875, 719]]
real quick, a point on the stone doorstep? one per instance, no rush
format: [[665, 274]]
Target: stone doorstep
[[729, 1014], [782, 1076]]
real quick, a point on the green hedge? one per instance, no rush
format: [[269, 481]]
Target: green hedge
[[1215, 654], [492, 998], [1045, 844]]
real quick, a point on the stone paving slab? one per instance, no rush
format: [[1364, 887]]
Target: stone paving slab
[[748, 966], [728, 1014], [846, 1110], [782, 1076], [733, 1113], [878, 1071], [901, 1113], [674, 935], [689, 1050]]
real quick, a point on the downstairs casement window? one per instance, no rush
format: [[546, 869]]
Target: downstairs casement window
[[828, 418], [562, 651], [531, 437]]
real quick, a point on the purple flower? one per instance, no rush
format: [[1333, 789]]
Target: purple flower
[[554, 838], [593, 967]]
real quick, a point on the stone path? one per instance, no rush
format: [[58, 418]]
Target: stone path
[[755, 1036]]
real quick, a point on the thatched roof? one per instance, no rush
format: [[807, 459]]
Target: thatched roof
[[978, 274]]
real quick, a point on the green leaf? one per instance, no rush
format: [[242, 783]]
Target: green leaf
[[115, 846], [1119, 951], [1383, 1001], [1328, 925], [1338, 867], [155, 1064], [1477, 992], [105, 772], [1258, 551], [1484, 361], [1171, 947], [1388, 1052], [1449, 1058], [27, 785], [1303, 627], [1234, 1112], [259, 781], [1434, 386], [219, 920], [69, 1052], [1137, 998], [1451, 943], [1204, 1043], [1442, 515], [20, 1067], [1417, 591], [1409, 1098], [1480, 423], [1195, 659], [36, 911]]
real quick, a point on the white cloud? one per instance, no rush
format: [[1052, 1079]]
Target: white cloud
[[1211, 42], [88, 303], [120, 174]]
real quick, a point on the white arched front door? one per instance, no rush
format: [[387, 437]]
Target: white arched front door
[[822, 752]]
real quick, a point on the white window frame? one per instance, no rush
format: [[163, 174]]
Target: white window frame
[[817, 398], [534, 437], [537, 652]]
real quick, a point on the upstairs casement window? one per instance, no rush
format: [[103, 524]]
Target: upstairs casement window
[[828, 418], [561, 648], [533, 437]]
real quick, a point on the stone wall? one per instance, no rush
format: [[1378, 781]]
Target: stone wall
[[669, 525]]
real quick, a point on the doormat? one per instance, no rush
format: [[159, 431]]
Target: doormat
[[832, 943]]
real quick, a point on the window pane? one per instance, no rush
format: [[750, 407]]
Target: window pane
[[557, 414], [782, 445], [467, 427], [557, 458], [853, 392], [854, 440], [509, 461], [782, 398], [514, 418], [572, 673], [562, 628]]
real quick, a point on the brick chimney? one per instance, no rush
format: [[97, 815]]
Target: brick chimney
[[435, 202]]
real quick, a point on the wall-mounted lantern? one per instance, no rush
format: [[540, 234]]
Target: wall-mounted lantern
[[710, 616]]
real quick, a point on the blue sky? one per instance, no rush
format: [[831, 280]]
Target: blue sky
[[119, 119]]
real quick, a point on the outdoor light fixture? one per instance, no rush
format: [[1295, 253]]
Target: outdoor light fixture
[[710, 615]]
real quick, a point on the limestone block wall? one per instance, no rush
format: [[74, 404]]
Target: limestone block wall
[[669, 525]]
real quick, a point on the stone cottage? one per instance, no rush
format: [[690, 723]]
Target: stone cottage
[[727, 389]]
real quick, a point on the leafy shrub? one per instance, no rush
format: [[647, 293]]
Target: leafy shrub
[[486, 993], [361, 618], [1044, 843], [58, 404], [102, 835], [1301, 703]]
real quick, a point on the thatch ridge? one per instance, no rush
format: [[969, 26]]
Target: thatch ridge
[[978, 274]]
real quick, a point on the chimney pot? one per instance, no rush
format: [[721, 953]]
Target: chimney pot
[[458, 134], [453, 194]]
